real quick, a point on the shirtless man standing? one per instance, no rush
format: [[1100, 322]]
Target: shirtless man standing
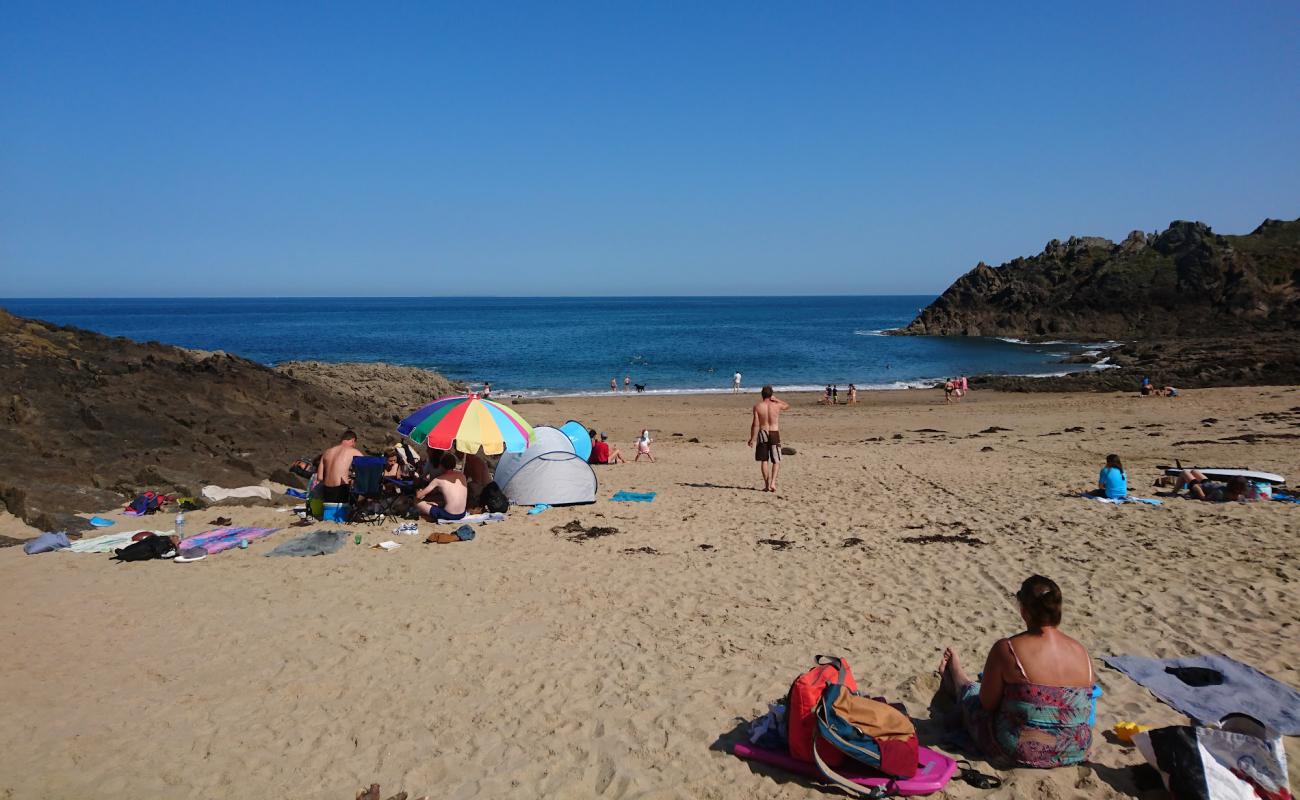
[[452, 490], [766, 426], [335, 470]]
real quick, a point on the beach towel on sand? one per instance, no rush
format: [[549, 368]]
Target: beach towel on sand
[[218, 539], [215, 494], [1244, 690], [1117, 501], [108, 543], [316, 543], [46, 542], [633, 497], [475, 519]]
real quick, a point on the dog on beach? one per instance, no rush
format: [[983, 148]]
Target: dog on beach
[[640, 387]]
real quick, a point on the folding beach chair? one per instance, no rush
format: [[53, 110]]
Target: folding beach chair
[[367, 490]]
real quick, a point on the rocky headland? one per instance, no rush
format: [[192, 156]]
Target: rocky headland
[[89, 420], [1193, 308]]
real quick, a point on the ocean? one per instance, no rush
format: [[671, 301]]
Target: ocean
[[564, 345]]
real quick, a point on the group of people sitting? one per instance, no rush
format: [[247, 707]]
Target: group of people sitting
[[602, 452], [442, 485], [1148, 389]]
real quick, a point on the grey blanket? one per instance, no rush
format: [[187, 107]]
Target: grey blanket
[[316, 543], [1244, 690]]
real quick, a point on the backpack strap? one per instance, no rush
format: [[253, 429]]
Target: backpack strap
[[851, 788]]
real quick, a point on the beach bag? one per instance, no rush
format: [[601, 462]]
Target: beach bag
[[1240, 758], [145, 503], [493, 499], [146, 549], [869, 731], [801, 706]]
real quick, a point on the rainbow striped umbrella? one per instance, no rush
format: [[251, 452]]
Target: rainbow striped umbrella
[[469, 423]]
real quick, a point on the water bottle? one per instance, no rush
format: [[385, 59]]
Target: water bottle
[[180, 525]]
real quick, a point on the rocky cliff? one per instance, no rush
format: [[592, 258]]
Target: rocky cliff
[[1184, 281], [88, 420]]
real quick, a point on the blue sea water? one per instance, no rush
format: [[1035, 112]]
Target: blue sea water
[[575, 345]]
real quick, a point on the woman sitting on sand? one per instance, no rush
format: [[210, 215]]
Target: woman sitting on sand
[[1112, 482], [1033, 706]]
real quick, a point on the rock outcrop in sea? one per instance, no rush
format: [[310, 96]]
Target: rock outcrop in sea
[[1186, 281]]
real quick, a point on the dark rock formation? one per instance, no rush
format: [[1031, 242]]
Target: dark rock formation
[[1185, 281], [88, 420], [1264, 358]]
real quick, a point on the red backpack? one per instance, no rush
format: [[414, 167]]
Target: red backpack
[[801, 708]]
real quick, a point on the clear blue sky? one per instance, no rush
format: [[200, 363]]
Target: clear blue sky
[[238, 149]]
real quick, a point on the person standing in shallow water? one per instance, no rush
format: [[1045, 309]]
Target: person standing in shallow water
[[765, 426]]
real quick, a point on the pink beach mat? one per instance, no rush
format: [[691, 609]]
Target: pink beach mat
[[934, 772]]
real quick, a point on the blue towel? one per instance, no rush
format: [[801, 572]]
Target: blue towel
[[633, 497], [46, 543], [298, 493], [100, 522], [1244, 690], [316, 543], [1121, 500], [537, 509], [1284, 498]]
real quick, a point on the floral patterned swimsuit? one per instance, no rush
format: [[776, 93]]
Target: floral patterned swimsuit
[[1036, 725]]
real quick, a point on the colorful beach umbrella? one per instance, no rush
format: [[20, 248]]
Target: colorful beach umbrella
[[470, 423]]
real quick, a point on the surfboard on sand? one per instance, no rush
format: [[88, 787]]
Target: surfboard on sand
[[1224, 473]]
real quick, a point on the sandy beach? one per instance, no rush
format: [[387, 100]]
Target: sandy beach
[[527, 664]]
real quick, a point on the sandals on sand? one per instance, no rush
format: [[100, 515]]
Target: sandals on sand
[[973, 777], [221, 522]]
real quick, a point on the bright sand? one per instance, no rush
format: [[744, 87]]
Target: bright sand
[[523, 664]]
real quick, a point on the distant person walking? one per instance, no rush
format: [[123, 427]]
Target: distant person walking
[[487, 391], [613, 384], [627, 383], [735, 383], [853, 394], [765, 427], [835, 394]]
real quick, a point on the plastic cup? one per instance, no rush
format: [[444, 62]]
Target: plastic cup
[[357, 538]]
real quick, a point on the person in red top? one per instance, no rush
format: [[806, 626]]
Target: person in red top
[[601, 452]]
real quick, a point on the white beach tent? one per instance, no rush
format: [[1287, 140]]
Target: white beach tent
[[549, 471]]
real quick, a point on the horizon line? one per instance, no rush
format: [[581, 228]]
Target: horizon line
[[474, 297]]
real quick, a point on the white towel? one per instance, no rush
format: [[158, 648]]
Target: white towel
[[215, 494]]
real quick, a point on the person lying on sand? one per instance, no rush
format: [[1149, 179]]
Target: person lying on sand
[[1199, 487], [1033, 705], [452, 490]]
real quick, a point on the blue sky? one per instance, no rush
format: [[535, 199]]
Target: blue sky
[[233, 149]]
